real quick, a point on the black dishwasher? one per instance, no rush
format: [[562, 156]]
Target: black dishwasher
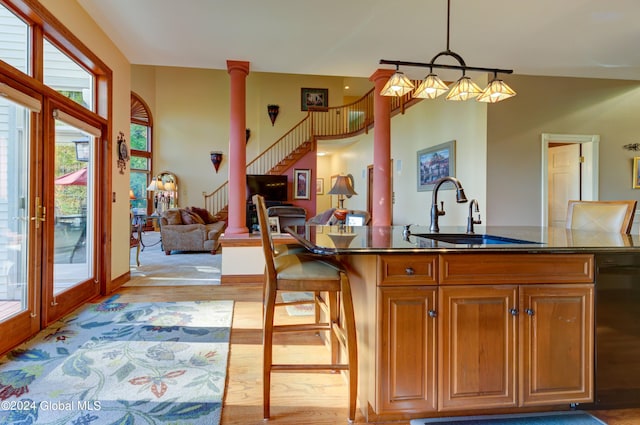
[[617, 318]]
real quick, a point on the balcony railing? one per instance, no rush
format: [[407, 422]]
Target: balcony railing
[[334, 122]]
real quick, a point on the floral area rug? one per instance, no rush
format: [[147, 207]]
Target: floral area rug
[[121, 363], [300, 309]]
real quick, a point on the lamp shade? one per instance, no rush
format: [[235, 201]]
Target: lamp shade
[[464, 89], [153, 186], [431, 87], [398, 85], [132, 195], [496, 91], [342, 186]]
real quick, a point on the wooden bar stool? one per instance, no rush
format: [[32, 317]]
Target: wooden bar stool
[[302, 272]]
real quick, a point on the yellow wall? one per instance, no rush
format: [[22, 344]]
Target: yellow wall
[[83, 27], [190, 109]]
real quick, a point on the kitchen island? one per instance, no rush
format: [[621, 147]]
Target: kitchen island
[[452, 324]]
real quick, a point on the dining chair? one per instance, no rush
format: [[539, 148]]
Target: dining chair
[[320, 275], [603, 216], [134, 236]]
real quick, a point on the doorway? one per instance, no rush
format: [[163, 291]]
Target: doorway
[[569, 171]]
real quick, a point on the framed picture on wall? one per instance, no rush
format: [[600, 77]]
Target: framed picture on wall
[[314, 98], [301, 184], [320, 186], [636, 172], [434, 163]]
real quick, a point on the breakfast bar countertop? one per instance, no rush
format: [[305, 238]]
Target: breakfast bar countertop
[[322, 239]]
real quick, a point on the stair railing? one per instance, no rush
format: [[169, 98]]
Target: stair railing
[[334, 122]]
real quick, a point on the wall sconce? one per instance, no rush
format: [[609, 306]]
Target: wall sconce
[[216, 159], [82, 150], [273, 113], [247, 134]]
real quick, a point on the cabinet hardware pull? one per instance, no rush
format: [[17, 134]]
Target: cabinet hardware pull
[[433, 313], [530, 312], [409, 271], [513, 311]]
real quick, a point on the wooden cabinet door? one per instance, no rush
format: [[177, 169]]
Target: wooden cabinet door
[[556, 328], [477, 347], [407, 369]]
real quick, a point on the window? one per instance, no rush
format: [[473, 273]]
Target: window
[[14, 40], [68, 78], [141, 154]]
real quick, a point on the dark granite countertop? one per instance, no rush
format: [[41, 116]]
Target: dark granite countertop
[[521, 239]]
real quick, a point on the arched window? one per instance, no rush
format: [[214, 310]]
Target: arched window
[[141, 154]]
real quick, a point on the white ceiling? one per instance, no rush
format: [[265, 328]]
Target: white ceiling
[[579, 38]]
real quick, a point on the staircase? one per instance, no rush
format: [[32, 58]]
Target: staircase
[[336, 122]]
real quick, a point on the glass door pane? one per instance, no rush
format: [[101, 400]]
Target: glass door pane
[[74, 207], [18, 312]]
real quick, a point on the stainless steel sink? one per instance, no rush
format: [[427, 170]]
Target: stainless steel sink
[[471, 239]]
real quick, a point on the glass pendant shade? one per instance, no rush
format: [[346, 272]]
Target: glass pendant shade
[[496, 91], [464, 89], [398, 85], [431, 87]]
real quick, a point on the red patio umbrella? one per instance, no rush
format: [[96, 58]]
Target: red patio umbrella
[[76, 178]]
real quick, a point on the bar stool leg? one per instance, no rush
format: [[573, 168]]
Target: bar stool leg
[[352, 345], [267, 345]]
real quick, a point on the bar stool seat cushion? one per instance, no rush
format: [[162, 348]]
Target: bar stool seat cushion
[[303, 267]]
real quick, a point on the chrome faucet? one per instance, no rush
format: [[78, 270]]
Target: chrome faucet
[[435, 212], [470, 220]]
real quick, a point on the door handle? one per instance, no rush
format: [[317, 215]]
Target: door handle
[[41, 213]]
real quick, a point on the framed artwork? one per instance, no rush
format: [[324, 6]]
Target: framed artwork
[[274, 225], [316, 98], [434, 163], [320, 186], [636, 172], [301, 184]]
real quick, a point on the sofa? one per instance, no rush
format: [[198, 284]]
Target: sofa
[[190, 229]]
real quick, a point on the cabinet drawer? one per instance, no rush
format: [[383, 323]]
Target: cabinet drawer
[[407, 269], [515, 268]]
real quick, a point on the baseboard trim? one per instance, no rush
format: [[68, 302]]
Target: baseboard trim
[[241, 279], [118, 282]]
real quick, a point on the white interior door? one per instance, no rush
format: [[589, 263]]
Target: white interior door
[[564, 180], [589, 170]]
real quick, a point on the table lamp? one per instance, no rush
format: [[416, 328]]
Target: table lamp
[[343, 187]]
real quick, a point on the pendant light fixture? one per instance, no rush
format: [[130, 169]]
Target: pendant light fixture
[[432, 86], [398, 85]]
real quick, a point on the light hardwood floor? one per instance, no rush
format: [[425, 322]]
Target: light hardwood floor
[[297, 398]]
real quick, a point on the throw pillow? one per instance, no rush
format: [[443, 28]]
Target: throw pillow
[[203, 214], [189, 217], [173, 216]]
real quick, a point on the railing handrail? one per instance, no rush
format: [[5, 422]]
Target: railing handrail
[[333, 122]]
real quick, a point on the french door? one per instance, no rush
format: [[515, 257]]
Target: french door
[[70, 181], [20, 239], [49, 200]]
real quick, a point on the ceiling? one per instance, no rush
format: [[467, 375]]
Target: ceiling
[[578, 38], [574, 38]]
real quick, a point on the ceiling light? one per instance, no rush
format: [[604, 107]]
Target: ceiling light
[[496, 91], [398, 85], [464, 89], [432, 86]]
